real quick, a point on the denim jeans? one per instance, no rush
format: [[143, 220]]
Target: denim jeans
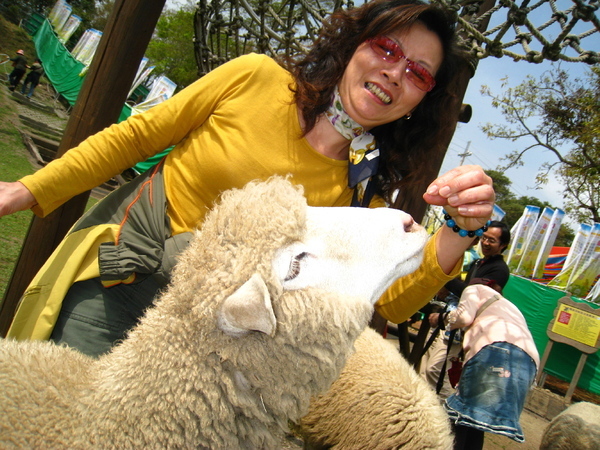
[[492, 389]]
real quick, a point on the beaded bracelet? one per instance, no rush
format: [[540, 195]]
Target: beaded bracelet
[[464, 233]]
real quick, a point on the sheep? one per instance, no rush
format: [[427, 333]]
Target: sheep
[[577, 427], [378, 402], [260, 315]]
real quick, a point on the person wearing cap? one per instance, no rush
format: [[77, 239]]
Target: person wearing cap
[[19, 69], [33, 78]]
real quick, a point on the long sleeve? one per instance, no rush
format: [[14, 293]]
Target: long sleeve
[[410, 293]]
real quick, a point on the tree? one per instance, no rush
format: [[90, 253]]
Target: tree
[[171, 49], [561, 115], [513, 206]]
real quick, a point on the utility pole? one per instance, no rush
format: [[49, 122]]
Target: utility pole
[[465, 154]]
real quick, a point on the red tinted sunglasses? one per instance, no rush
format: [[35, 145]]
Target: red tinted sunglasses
[[392, 53]]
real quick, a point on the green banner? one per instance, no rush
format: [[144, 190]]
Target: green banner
[[537, 302], [62, 69]]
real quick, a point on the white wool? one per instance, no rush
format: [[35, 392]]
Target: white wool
[[202, 369], [379, 402], [577, 427]]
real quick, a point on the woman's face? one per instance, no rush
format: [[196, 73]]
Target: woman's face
[[375, 91]]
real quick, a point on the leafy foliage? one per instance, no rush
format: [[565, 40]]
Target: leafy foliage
[[513, 206], [171, 49], [562, 116]]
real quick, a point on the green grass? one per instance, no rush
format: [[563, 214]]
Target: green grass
[[14, 164]]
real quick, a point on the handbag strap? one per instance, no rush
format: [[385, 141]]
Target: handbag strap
[[488, 302]]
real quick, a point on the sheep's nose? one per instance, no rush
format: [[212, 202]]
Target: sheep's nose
[[409, 223]]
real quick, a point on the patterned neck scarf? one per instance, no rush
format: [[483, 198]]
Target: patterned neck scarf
[[364, 156]]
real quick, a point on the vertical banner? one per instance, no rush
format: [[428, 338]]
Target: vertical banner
[[434, 219], [56, 12], [69, 28], [594, 295], [586, 271], [547, 243], [162, 89], [141, 75], [520, 234], [86, 46], [533, 244], [498, 213], [62, 15], [577, 247]]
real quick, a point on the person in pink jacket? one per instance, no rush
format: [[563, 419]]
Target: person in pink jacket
[[500, 364]]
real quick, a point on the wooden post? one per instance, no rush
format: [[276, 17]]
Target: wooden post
[[99, 103]]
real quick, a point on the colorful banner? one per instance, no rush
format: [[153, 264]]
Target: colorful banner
[[520, 235], [533, 245], [434, 219], [162, 88], [547, 243], [63, 11], [59, 13], [69, 28], [587, 269], [498, 213], [86, 46], [583, 233], [141, 75], [594, 295]]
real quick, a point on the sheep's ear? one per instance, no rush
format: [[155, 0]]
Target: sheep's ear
[[248, 309]]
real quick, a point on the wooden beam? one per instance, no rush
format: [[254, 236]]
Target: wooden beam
[[99, 103]]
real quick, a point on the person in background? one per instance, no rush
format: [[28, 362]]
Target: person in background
[[500, 365], [19, 69], [353, 122], [33, 78], [491, 270]]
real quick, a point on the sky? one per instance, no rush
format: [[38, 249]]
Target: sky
[[490, 72]]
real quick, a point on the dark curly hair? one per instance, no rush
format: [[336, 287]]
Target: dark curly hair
[[405, 145]]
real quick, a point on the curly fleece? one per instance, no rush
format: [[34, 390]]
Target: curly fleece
[[177, 380], [379, 402]]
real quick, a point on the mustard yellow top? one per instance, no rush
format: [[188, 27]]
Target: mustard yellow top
[[236, 124]]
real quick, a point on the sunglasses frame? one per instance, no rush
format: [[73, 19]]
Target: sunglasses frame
[[395, 54]]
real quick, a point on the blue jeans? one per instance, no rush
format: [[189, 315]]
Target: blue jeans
[[492, 389]]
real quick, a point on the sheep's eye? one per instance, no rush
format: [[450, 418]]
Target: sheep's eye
[[294, 269]]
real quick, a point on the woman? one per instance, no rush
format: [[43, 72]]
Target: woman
[[500, 364], [371, 69]]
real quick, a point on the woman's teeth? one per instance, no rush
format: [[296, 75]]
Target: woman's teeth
[[379, 93]]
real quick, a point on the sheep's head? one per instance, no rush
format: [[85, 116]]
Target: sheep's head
[[350, 252], [268, 299], [263, 240]]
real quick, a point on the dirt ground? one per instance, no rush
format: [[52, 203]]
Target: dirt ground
[[533, 428]]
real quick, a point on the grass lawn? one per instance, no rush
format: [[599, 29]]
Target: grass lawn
[[14, 164]]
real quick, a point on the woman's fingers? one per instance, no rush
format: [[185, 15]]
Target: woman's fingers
[[466, 193]]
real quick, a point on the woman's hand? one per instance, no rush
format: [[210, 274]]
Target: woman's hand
[[466, 193], [15, 197]]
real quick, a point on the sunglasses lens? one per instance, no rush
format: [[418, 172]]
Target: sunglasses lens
[[389, 51], [420, 77]]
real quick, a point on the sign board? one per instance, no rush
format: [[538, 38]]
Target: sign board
[[577, 324]]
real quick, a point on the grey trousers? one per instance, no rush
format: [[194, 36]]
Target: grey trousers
[[94, 318]]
